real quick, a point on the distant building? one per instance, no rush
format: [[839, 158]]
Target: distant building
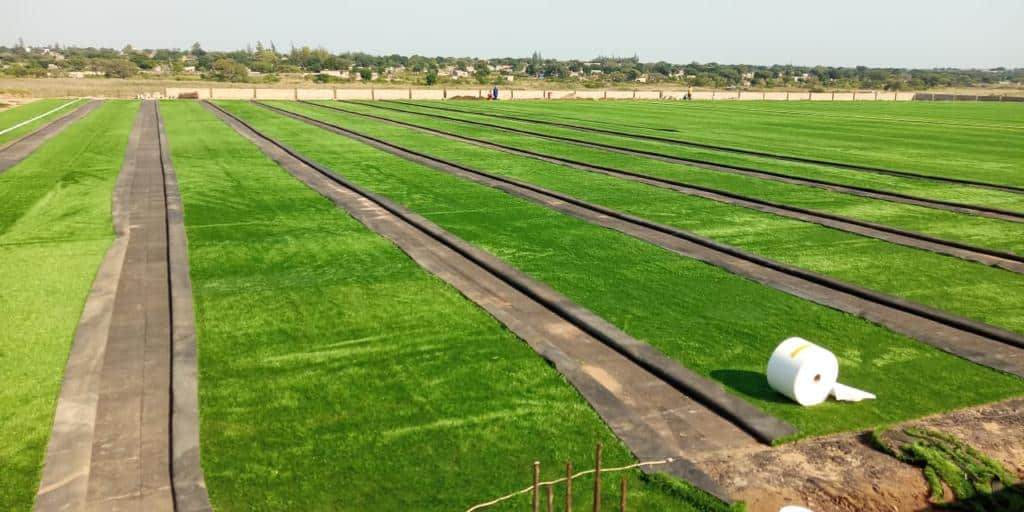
[[83, 74]]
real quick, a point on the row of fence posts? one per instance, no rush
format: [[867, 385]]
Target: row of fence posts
[[550, 488]]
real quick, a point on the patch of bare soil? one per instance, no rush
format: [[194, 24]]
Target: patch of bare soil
[[845, 473], [13, 101]]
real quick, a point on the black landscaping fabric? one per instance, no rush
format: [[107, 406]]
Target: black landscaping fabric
[[111, 446]]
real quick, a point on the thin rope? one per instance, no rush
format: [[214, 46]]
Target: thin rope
[[560, 480]]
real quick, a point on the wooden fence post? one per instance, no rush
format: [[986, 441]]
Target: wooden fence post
[[410, 93], [597, 478], [536, 486], [568, 487], [622, 495], [551, 497], [373, 96]]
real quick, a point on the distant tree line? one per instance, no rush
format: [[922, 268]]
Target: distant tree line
[[265, 63]]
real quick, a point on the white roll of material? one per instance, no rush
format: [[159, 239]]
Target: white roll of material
[[803, 371]]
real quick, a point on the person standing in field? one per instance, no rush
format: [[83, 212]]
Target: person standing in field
[[494, 93]]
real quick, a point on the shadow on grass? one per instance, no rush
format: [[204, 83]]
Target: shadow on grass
[[1007, 499], [752, 384]]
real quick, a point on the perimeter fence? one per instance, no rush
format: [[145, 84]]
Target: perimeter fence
[[542, 493]]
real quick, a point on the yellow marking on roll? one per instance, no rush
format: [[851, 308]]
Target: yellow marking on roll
[[793, 354]]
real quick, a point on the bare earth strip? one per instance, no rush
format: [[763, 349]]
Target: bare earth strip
[[843, 473], [111, 442]]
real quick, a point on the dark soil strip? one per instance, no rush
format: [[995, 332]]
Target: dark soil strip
[[634, 388], [14, 152], [111, 446], [990, 257], [982, 211], [775, 156], [976, 341]]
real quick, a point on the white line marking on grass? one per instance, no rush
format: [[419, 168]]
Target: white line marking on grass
[[40, 116]]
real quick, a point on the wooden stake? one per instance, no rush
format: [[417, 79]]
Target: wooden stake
[[622, 495], [597, 478], [568, 487], [551, 497], [536, 486]]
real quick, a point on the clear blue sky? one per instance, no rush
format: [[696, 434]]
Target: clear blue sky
[[904, 33]]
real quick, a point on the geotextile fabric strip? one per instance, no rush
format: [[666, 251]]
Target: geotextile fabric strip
[[188, 484], [990, 257], [741, 151], [120, 434], [976, 341], [896, 197], [17, 150]]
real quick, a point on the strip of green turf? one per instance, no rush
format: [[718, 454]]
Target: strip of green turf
[[979, 115], [12, 117], [910, 186], [984, 293], [335, 373], [55, 227], [715, 323], [983, 154], [980, 231]]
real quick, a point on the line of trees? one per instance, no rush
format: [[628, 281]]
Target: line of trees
[[264, 62]]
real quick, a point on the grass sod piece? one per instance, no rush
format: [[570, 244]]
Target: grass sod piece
[[335, 373], [990, 155], [985, 232], [976, 481], [988, 294], [55, 228], [12, 117], [958, 115], [911, 186], [713, 322]]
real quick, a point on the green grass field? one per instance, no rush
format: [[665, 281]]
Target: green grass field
[[337, 374], [985, 153], [981, 231], [910, 186], [715, 323], [16, 115], [992, 295], [55, 227]]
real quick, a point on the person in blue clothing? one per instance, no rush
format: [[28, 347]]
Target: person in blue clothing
[[494, 93]]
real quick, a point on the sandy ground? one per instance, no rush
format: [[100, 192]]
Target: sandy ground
[[844, 473], [11, 102]]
